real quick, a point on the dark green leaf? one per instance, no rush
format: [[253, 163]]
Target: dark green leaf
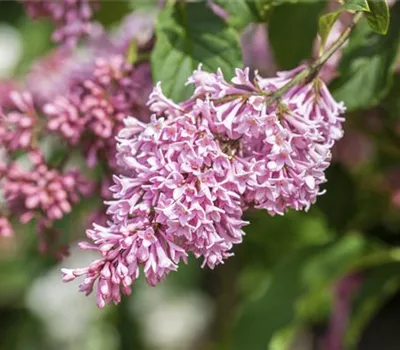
[[111, 12], [380, 284], [240, 12], [187, 35], [268, 237], [367, 65], [378, 18], [392, 102], [292, 29], [338, 208], [10, 12], [264, 8]]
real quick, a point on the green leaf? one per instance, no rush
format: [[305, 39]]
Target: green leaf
[[36, 38], [327, 21], [335, 260], [299, 287], [292, 29], [367, 66], [243, 12], [189, 34], [143, 5], [378, 19], [378, 286], [240, 12], [326, 267], [11, 12], [111, 12], [339, 209], [275, 309], [264, 7], [268, 237], [392, 102]]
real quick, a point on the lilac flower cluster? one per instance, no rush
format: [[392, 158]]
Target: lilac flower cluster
[[65, 117], [71, 17], [43, 190], [189, 174], [93, 109], [17, 121]]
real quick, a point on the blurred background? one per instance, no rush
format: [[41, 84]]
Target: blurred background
[[325, 279]]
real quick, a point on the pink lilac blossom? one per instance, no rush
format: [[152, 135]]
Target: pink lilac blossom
[[188, 176], [50, 76], [42, 192], [17, 122], [180, 196], [72, 18], [81, 96], [92, 111], [54, 74], [284, 148], [6, 86]]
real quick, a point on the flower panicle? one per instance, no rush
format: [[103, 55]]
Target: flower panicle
[[72, 18], [188, 175]]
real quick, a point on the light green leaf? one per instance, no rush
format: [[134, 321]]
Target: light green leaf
[[292, 28], [189, 34], [36, 38], [132, 54], [367, 66], [378, 19], [140, 5], [327, 21]]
